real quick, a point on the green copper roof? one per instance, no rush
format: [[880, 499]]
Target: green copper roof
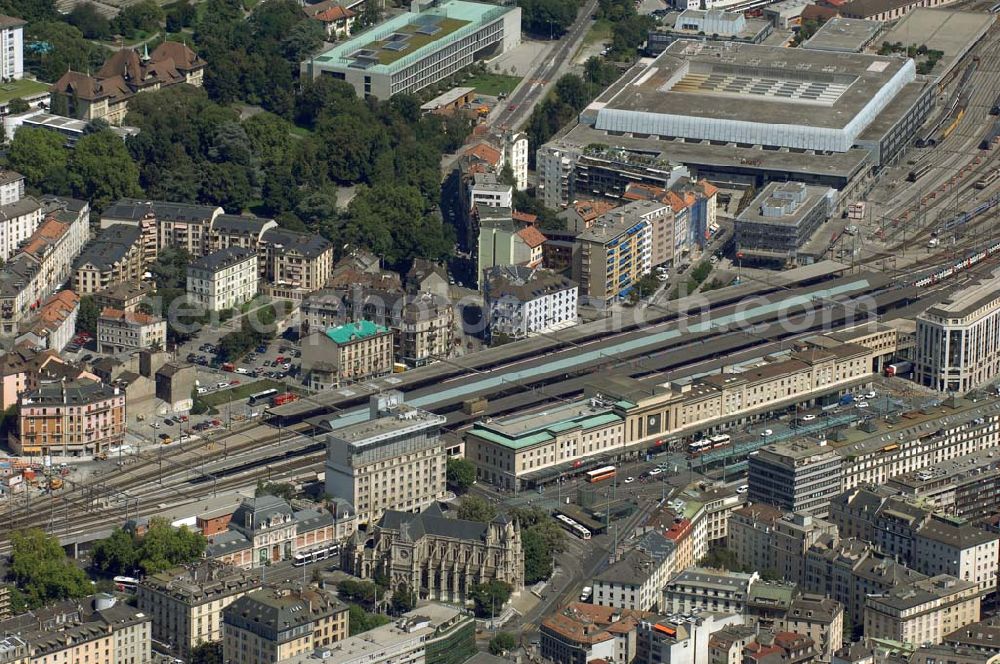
[[354, 331]]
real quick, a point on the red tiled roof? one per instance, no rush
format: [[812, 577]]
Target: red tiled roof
[[524, 217], [485, 152], [136, 317], [532, 236]]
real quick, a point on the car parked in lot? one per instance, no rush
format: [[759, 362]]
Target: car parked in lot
[[169, 422]]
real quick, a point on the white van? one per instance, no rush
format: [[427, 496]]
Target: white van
[[242, 370], [202, 390], [222, 384]]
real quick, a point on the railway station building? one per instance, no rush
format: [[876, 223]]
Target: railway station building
[[710, 106]]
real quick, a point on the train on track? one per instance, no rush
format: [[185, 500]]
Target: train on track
[[951, 118], [960, 265], [919, 172], [990, 139]]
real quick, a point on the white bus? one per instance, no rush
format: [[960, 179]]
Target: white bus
[[126, 584], [573, 527]]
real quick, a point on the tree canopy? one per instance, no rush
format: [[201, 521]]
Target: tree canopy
[[461, 473], [476, 508], [160, 547], [41, 572], [490, 598], [502, 643], [209, 652]]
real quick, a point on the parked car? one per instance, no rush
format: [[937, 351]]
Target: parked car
[[169, 422]]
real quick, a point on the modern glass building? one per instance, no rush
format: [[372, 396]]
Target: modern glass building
[[410, 51]]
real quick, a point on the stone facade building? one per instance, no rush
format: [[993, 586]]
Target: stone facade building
[[437, 557]]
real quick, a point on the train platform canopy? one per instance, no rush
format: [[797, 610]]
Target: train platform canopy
[[950, 31]]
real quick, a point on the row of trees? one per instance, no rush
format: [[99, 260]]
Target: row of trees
[[41, 572], [141, 17], [160, 547], [98, 169], [541, 537]]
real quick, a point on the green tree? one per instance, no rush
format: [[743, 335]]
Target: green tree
[[537, 559], [280, 489], [490, 598], [18, 105], [145, 15], [361, 592], [116, 553], [360, 620], [476, 508], [69, 50], [89, 21], [86, 319], [179, 15], [461, 473], [40, 570], [403, 599], [101, 170], [502, 643], [41, 157], [170, 268], [30, 10], [721, 558], [547, 18], [209, 652]]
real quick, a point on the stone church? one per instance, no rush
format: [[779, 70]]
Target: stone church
[[440, 558]]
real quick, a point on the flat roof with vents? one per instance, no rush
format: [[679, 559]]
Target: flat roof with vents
[[751, 94]]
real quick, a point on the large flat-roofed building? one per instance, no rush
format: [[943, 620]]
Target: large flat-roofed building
[[958, 347], [431, 634], [712, 106], [844, 35], [394, 461], [798, 476], [715, 24], [885, 10], [782, 219], [415, 49]]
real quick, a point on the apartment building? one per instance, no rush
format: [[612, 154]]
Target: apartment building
[[121, 331], [70, 418], [912, 533], [849, 571], [957, 348], [720, 503], [43, 262], [223, 280], [634, 581], [185, 603], [97, 629], [796, 476], [115, 257], [393, 461], [765, 538], [347, 353], [923, 611], [294, 264], [124, 297], [503, 241], [164, 224], [613, 254], [966, 487], [956, 428], [266, 529], [680, 639], [699, 589], [272, 625], [582, 633], [521, 301], [422, 323], [623, 414], [11, 48], [20, 215], [819, 618], [53, 324], [433, 633]]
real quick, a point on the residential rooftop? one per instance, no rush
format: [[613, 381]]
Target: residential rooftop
[[223, 258], [351, 332]]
